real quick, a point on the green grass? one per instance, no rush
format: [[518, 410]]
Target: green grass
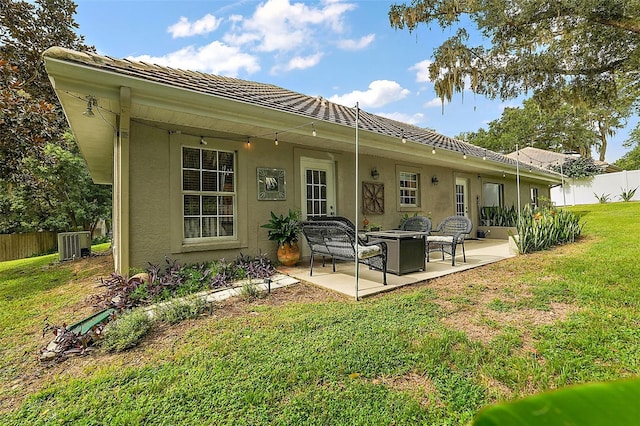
[[393, 359]]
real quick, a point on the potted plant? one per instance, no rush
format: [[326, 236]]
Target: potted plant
[[284, 230]]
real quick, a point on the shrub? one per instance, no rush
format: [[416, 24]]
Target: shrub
[[179, 310], [628, 194], [177, 280], [602, 199], [499, 216], [250, 292], [126, 331], [540, 229]]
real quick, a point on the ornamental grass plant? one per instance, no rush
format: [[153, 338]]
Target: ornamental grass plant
[[545, 227]]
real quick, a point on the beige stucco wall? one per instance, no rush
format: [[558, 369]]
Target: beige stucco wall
[[156, 199]]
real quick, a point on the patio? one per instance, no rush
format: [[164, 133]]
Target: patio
[[479, 252]]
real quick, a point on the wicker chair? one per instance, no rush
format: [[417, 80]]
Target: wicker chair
[[337, 239], [416, 223], [451, 233]]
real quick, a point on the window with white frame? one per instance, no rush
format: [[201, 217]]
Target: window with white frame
[[208, 193], [409, 189]]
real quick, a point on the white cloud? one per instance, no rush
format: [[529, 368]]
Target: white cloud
[[402, 117], [380, 93], [204, 25], [422, 71], [435, 102], [357, 44], [278, 25], [216, 58], [299, 63]]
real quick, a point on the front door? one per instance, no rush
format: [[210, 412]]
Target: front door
[[318, 187], [462, 197]]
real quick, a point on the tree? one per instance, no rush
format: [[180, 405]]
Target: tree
[[26, 124], [44, 183], [576, 168], [631, 160], [562, 129], [587, 49]]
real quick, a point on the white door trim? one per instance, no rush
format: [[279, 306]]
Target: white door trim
[[327, 166]]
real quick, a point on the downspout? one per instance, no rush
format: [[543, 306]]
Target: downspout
[[121, 185]]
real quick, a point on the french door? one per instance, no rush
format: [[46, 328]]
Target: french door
[[318, 187], [462, 197]]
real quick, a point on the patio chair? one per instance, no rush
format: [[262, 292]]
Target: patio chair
[[417, 223], [451, 233], [339, 240]]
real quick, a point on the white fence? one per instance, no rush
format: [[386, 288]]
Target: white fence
[[584, 191]]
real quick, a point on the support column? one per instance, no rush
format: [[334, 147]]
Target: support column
[[121, 186]]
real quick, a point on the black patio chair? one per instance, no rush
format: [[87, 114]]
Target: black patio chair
[[338, 240], [450, 233]]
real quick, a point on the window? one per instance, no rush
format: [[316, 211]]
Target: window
[[534, 197], [409, 189], [492, 202], [492, 194], [209, 193]]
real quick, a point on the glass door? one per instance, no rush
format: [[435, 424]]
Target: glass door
[[318, 188], [462, 197]]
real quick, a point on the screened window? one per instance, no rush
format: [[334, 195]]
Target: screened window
[[409, 189], [209, 193]]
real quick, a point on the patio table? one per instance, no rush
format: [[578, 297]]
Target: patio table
[[405, 250]]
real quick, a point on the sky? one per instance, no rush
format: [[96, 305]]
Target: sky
[[342, 50]]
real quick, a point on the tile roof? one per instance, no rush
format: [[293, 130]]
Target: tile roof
[[277, 98], [544, 158]]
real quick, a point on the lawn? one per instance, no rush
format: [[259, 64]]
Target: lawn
[[433, 353]]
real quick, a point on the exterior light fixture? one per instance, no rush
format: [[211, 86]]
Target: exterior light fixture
[[484, 157], [91, 102], [313, 130], [433, 150], [275, 142], [404, 140], [374, 173], [202, 141], [434, 180]]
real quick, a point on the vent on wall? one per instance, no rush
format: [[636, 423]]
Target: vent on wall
[[73, 245]]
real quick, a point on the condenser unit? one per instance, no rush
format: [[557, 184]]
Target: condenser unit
[[73, 245]]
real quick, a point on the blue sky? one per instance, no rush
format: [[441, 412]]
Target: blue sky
[[342, 50]]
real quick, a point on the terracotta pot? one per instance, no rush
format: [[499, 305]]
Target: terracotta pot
[[289, 253]]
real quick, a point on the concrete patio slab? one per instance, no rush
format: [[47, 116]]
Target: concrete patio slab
[[479, 252]]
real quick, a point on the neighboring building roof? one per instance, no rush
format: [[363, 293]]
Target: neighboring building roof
[[276, 98], [544, 159]]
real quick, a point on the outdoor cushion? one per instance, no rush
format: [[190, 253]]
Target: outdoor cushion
[[365, 252], [440, 238]]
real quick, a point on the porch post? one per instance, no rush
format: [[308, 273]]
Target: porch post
[[121, 186]]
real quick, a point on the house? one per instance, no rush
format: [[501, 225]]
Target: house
[[608, 185], [198, 161], [546, 159]]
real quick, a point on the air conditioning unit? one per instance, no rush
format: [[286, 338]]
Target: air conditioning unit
[[74, 245]]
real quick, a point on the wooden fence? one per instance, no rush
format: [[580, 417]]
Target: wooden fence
[[18, 246]]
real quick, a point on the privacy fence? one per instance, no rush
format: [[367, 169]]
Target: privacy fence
[[590, 190], [18, 246]]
